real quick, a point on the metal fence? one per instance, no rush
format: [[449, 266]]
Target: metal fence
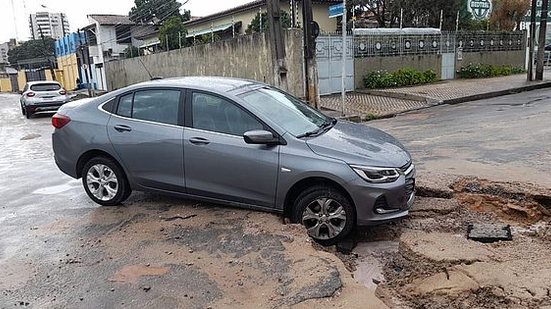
[[446, 42]]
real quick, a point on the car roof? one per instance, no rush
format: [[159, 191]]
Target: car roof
[[43, 82], [212, 83]]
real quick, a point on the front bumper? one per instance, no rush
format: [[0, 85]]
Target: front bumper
[[381, 203]]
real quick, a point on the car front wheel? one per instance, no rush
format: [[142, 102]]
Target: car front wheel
[[105, 182], [326, 213]]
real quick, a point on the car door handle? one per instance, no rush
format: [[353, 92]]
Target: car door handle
[[123, 128], [199, 141]]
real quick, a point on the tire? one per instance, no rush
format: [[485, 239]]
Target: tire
[[23, 110], [105, 182], [326, 213], [28, 114]]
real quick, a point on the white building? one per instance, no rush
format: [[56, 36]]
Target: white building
[[53, 25], [109, 36], [4, 48]]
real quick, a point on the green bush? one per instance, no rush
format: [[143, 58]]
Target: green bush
[[402, 77], [487, 70]]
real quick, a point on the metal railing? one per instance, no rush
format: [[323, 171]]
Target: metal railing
[[446, 42]]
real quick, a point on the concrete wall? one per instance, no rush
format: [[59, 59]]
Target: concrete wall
[[513, 58], [245, 57], [364, 65]]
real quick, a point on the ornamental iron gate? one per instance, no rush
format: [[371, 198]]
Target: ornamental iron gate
[[329, 51]]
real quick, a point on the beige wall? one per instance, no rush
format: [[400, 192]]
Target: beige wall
[[5, 85], [320, 12], [246, 56], [362, 66], [513, 58], [21, 79]]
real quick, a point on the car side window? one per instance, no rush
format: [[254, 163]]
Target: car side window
[[157, 105], [125, 106], [216, 114]]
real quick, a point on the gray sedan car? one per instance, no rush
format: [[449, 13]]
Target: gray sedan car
[[42, 96], [235, 142]]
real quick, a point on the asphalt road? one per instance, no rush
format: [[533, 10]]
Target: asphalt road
[[60, 250], [505, 138]]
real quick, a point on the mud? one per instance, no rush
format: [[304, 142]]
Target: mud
[[436, 266]]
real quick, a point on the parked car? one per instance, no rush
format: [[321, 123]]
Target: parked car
[[42, 96], [235, 142]]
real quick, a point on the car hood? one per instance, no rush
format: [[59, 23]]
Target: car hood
[[359, 144]]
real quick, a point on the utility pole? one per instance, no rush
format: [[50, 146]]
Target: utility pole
[[48, 56], [532, 42], [278, 45], [541, 45], [311, 31], [85, 53], [344, 50]]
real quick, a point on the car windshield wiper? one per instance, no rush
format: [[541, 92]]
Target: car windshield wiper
[[324, 127]]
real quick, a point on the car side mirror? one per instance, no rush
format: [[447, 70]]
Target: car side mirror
[[260, 137]]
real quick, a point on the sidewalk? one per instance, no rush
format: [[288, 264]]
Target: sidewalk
[[388, 102]]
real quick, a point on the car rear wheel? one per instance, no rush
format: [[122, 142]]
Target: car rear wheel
[[105, 182], [22, 110], [326, 213], [27, 113]]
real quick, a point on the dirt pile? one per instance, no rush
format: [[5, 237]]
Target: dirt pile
[[436, 266]]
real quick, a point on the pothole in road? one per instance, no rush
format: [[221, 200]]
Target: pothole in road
[[517, 202], [437, 266]]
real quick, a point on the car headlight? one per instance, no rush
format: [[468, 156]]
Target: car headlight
[[377, 174]]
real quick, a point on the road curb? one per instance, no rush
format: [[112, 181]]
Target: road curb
[[476, 97], [494, 94]]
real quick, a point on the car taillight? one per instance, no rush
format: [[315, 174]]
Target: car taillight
[[30, 94], [62, 92], [59, 121]]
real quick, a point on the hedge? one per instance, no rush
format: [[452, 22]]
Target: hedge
[[487, 70], [402, 77]]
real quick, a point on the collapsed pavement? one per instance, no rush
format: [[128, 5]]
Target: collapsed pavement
[[434, 265]]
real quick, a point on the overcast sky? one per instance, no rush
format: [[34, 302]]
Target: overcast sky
[[77, 10]]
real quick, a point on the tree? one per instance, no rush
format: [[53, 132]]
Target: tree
[[174, 31], [32, 49], [254, 26], [507, 15], [156, 11], [206, 39], [132, 51]]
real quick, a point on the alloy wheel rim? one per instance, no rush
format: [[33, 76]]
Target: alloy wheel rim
[[102, 182], [324, 218]]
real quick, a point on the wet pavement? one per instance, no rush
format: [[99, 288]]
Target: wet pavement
[[506, 138], [60, 250]]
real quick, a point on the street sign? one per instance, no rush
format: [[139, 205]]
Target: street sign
[[336, 10], [480, 9]]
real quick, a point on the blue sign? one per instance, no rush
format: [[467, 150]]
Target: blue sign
[[336, 10]]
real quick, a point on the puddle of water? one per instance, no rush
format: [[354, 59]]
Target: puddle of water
[[57, 189], [369, 271], [131, 273]]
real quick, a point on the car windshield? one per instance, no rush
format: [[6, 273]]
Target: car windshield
[[288, 112], [45, 87]]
